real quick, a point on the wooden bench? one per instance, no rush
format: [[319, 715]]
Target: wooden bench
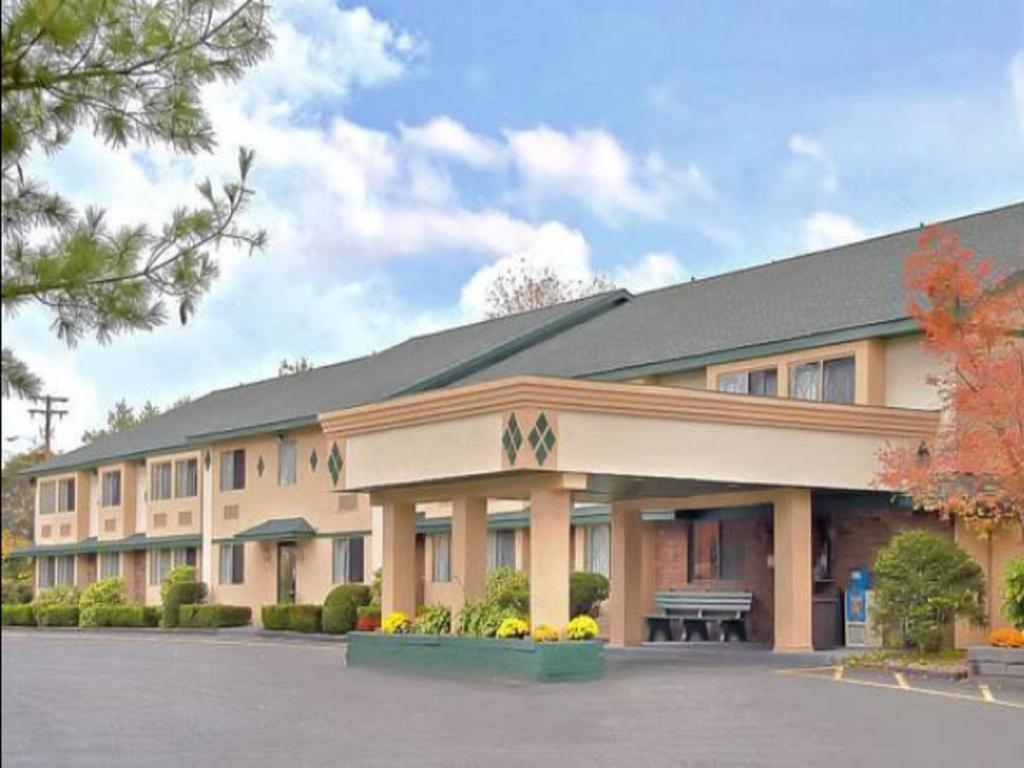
[[694, 609]]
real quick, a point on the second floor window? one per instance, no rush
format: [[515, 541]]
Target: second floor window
[[287, 462], [764, 383], [186, 478], [232, 470], [111, 496], [160, 481], [829, 381], [47, 497]]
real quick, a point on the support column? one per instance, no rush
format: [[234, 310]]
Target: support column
[[793, 570], [469, 548], [627, 582], [550, 512], [398, 587]]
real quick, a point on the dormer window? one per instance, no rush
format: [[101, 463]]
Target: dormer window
[[763, 382], [827, 381]]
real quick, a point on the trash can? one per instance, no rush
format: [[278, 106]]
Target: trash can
[[826, 616]]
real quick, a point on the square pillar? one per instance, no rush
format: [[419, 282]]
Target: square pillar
[[793, 570], [627, 579], [469, 548], [398, 586], [550, 513]]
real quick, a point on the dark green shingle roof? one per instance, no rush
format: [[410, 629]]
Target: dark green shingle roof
[[280, 529]]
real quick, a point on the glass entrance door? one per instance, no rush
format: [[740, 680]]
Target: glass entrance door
[[286, 561]]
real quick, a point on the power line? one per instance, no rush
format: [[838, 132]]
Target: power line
[[48, 412]]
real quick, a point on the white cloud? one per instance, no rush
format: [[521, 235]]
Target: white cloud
[[826, 229], [448, 138], [1016, 74], [817, 153], [651, 271], [591, 165]]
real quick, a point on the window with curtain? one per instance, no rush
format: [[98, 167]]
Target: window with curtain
[[66, 495], [838, 380], [232, 563], [160, 481], [441, 549], [47, 572], [160, 564], [501, 549], [764, 382], [110, 565], [111, 489], [186, 478], [183, 556], [232, 470], [348, 560], [65, 570], [598, 549], [287, 462], [47, 497], [803, 381]]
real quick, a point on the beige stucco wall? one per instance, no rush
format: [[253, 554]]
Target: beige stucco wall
[[65, 527], [993, 552], [118, 521], [907, 368], [174, 516], [471, 446], [643, 446]]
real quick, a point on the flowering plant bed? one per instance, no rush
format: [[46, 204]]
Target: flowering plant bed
[[951, 664], [480, 657]]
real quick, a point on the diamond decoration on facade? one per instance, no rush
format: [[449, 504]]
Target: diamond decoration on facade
[[313, 460], [334, 463], [542, 439], [260, 466], [512, 439]]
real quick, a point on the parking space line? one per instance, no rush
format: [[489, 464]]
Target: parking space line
[[902, 685]]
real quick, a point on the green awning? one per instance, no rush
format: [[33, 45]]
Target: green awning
[[281, 529], [589, 514], [92, 545]]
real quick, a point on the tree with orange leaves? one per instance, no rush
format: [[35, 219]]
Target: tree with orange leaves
[[973, 321]]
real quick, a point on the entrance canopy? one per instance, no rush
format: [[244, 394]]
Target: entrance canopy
[[613, 440]]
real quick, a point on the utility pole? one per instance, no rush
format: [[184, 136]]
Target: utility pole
[[48, 412]]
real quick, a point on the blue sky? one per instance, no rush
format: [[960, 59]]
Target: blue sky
[[407, 151]]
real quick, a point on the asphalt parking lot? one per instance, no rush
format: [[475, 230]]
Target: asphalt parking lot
[[107, 699]]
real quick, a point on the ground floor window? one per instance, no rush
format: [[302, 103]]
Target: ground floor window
[[57, 571], [501, 549], [441, 551], [184, 556], [110, 565], [232, 563], [598, 549], [717, 550], [347, 560], [160, 564]]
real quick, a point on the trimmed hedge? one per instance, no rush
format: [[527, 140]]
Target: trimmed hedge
[[99, 594], [586, 592], [341, 607], [19, 615], [127, 615], [179, 594], [211, 615], [16, 592], [57, 615], [297, 618]]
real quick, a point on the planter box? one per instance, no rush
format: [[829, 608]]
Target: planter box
[[481, 657], [987, 661]]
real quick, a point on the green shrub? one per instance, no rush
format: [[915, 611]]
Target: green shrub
[[377, 587], [342, 605], [434, 619], [296, 618], [16, 592], [56, 615], [481, 618], [586, 592], [19, 615], [127, 615], [105, 592], [56, 596], [1013, 593], [370, 611], [923, 584], [211, 615], [179, 588], [508, 589]]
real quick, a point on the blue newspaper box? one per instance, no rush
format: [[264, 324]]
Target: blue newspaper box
[[857, 595]]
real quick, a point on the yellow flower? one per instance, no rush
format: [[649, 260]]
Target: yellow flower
[[396, 623], [512, 627], [544, 633], [582, 628]]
